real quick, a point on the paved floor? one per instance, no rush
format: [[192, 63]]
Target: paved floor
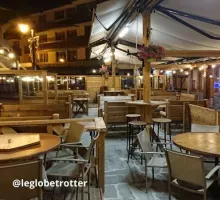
[[125, 181]]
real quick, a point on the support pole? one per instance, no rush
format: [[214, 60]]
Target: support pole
[[147, 65], [56, 88], [114, 65], [20, 90], [44, 87]]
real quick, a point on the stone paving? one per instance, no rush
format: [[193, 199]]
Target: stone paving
[[125, 181]]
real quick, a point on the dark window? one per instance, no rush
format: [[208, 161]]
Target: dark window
[[60, 36], [76, 83], [87, 30], [59, 15], [44, 57], [71, 34], [71, 12], [72, 55], [60, 55], [42, 19], [43, 38], [16, 44]]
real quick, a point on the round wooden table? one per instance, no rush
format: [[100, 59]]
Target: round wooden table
[[48, 142], [206, 144]]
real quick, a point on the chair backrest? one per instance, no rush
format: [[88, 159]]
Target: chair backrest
[[28, 171], [204, 128], [74, 133], [144, 142], [186, 168]]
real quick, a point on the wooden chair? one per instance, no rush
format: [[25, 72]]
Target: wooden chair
[[26, 170], [152, 159], [187, 172], [74, 167], [70, 136]]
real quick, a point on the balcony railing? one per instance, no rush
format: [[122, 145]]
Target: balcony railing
[[77, 19], [80, 41]]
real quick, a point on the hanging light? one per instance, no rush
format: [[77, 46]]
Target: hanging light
[[181, 70], [187, 73], [213, 66], [201, 68], [124, 32], [11, 55], [161, 71], [128, 74], [2, 51], [107, 59], [174, 72]]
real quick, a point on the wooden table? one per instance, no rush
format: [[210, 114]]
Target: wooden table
[[47, 143], [81, 104], [148, 109], [90, 124], [206, 144]]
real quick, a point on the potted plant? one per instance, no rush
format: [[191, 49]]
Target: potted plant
[[104, 71], [151, 53]]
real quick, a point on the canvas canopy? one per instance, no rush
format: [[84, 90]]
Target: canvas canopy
[[166, 31]]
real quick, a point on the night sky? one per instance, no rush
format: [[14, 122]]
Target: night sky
[[22, 7]]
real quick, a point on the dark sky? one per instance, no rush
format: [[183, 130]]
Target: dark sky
[[27, 6]]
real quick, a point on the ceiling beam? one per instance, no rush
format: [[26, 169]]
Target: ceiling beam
[[184, 66], [192, 53]]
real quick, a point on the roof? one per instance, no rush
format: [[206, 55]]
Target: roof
[[170, 27]]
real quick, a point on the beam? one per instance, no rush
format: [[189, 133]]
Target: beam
[[192, 53], [186, 66], [23, 72]]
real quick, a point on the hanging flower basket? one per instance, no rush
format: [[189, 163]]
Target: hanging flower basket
[[151, 53], [104, 71]]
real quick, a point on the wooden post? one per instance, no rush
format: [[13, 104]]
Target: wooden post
[[148, 111], [67, 83], [44, 87], [56, 88], [20, 90], [113, 68], [147, 65]]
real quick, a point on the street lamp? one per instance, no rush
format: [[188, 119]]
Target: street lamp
[[25, 28]]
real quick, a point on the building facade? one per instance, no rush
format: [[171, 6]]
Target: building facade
[[63, 32]]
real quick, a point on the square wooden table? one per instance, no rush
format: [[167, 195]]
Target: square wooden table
[[81, 104]]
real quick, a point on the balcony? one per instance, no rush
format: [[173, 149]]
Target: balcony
[[76, 63], [80, 41], [77, 19]]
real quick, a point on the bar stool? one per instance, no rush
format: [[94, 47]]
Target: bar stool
[[165, 121], [134, 125], [131, 117]]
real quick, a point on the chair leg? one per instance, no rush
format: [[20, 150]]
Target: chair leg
[[170, 135], [169, 190], [152, 173], [64, 197], [53, 191], [89, 178], [146, 175], [77, 190]]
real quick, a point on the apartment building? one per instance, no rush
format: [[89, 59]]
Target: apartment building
[[63, 36]]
